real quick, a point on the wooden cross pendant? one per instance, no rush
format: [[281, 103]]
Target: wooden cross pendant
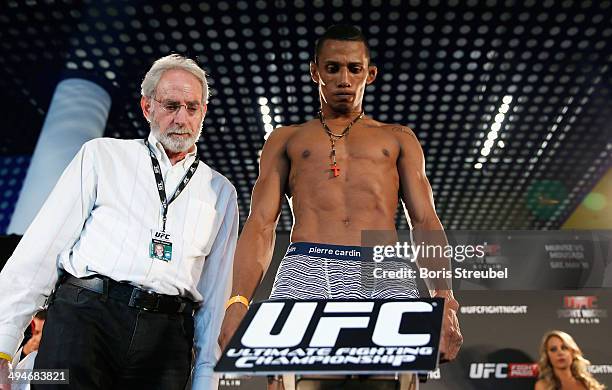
[[336, 170]]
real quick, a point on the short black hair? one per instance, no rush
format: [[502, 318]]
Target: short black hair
[[341, 32]]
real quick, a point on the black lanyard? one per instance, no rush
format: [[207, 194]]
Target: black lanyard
[[161, 188]]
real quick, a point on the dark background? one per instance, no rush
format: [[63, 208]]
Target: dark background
[[444, 69]]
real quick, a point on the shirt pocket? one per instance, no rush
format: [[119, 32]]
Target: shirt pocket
[[201, 225]]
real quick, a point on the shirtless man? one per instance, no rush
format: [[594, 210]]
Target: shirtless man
[[333, 203]]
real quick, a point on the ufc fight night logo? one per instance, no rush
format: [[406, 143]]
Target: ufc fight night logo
[[582, 309]]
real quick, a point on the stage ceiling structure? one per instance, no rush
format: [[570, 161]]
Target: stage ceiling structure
[[511, 100]]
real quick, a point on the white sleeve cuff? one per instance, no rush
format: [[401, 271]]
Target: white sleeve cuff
[[9, 343]]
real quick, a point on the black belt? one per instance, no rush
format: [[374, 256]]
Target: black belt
[[134, 297]]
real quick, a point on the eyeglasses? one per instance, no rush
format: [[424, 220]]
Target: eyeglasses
[[173, 107]]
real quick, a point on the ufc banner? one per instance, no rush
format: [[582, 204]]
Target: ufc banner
[[502, 332], [368, 336]]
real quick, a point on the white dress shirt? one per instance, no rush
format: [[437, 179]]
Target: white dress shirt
[[98, 220]]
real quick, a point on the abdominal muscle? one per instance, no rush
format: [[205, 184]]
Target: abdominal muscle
[[334, 216]]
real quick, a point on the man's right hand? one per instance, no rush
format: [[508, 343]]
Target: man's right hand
[[233, 317], [5, 383]]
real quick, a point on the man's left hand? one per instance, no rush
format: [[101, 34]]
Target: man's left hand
[[451, 338]]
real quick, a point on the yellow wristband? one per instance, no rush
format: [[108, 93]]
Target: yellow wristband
[[237, 299], [5, 356]]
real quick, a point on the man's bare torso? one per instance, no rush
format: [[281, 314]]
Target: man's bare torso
[[364, 196]]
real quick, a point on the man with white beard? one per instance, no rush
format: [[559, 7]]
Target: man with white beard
[[132, 250]]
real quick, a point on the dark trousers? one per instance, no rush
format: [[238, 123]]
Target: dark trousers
[[108, 345]]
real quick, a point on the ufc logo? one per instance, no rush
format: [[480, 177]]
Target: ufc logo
[[484, 370], [579, 302], [386, 330], [162, 235]]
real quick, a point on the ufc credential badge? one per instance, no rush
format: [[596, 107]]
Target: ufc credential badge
[[161, 245]]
